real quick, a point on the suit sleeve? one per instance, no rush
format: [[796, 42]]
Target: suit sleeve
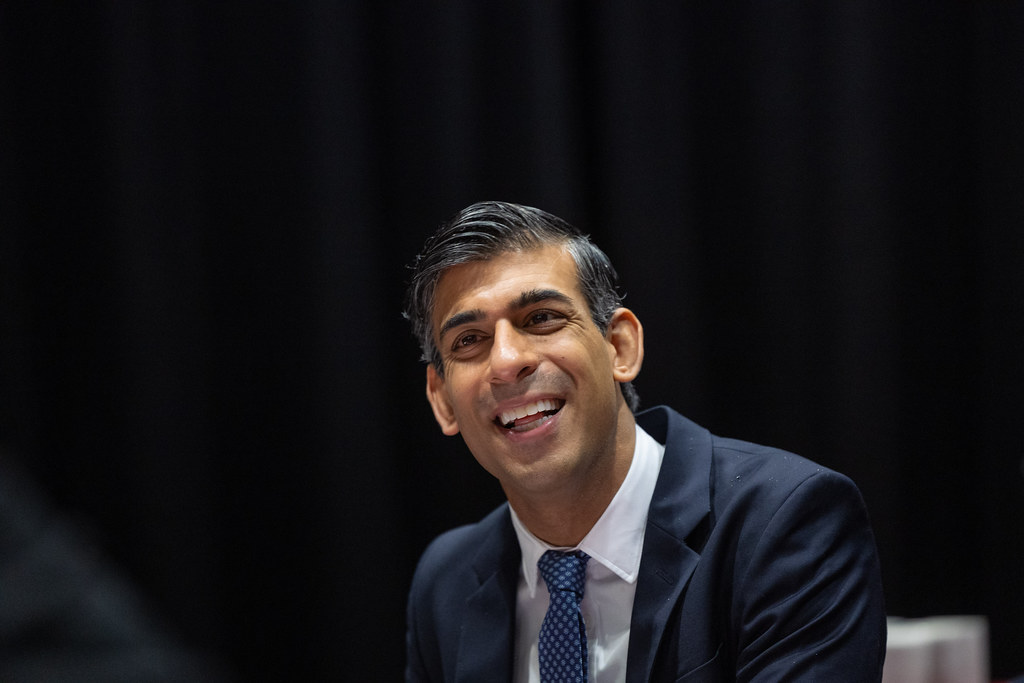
[[809, 602], [415, 672]]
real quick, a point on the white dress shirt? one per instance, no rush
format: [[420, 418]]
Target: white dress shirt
[[614, 544]]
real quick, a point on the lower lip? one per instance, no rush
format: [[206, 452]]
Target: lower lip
[[545, 425]]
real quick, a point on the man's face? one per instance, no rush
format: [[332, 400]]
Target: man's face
[[529, 379]]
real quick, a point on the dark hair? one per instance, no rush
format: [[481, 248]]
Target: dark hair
[[486, 229]]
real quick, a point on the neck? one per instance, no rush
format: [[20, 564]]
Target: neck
[[564, 517]]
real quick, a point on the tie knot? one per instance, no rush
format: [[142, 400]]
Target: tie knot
[[564, 571]]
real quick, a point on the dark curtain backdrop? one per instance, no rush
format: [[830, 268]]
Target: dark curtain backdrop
[[208, 210]]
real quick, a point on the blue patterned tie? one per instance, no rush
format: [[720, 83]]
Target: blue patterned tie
[[562, 646]]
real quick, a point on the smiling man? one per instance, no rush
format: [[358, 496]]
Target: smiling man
[[633, 547]]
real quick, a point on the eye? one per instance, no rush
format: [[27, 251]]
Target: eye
[[540, 317], [544, 320], [466, 340], [467, 343]]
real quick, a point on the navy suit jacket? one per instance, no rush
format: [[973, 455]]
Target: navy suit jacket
[[758, 565]]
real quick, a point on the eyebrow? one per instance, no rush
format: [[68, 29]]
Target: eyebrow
[[535, 296], [529, 298], [463, 318]]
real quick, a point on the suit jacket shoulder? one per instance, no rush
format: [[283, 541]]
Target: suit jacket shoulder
[[461, 607], [758, 564]]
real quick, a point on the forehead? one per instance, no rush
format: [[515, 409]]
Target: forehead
[[498, 281]]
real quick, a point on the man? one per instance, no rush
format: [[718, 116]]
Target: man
[[66, 612], [669, 554]]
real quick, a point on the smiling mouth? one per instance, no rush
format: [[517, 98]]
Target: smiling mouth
[[529, 416]]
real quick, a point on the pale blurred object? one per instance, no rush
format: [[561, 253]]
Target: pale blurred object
[[941, 649]]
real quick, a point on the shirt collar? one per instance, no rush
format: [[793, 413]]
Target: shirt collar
[[616, 540]]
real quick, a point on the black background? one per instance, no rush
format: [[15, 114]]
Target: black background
[[208, 209]]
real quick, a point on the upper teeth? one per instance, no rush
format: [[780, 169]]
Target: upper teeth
[[528, 409]]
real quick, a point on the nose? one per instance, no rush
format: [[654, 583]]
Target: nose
[[512, 355]]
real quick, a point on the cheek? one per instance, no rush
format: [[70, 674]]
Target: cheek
[[463, 400], [601, 358]]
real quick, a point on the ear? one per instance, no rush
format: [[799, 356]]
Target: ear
[[626, 336], [437, 395]]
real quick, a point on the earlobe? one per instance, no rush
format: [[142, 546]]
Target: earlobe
[[626, 336], [439, 403]]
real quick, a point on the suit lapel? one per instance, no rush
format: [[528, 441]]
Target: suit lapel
[[679, 507], [486, 641], [663, 575]]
